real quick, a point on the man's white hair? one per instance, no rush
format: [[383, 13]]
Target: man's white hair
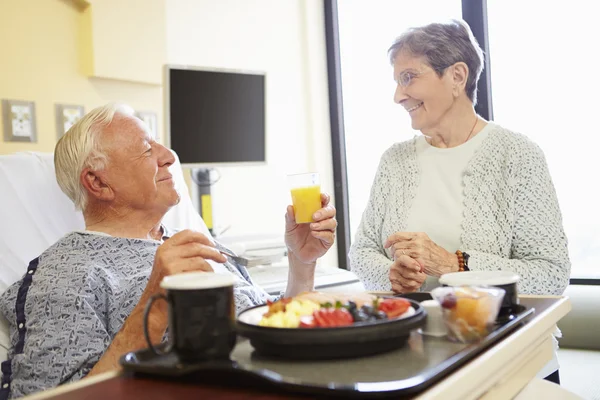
[[81, 147]]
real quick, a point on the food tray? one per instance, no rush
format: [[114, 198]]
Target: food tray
[[421, 363]]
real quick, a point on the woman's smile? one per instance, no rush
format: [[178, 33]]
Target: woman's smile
[[415, 107]]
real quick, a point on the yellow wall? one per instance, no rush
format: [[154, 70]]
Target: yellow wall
[[133, 31], [41, 58]]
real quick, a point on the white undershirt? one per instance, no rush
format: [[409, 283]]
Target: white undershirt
[[438, 206]]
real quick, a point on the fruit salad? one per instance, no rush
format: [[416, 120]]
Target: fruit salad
[[303, 313], [469, 312]]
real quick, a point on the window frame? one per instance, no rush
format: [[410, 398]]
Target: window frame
[[338, 137]]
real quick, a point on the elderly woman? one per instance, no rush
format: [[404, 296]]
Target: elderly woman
[[467, 194]]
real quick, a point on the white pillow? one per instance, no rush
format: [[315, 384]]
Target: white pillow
[[35, 212]]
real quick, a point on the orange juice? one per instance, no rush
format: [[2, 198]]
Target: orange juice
[[306, 201]]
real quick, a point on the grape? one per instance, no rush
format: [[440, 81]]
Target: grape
[[380, 315], [367, 309], [449, 301], [351, 305], [354, 312], [361, 316]]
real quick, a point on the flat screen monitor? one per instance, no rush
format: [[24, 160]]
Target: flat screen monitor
[[215, 117]]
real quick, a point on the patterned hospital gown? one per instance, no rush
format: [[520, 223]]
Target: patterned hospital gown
[[71, 303]]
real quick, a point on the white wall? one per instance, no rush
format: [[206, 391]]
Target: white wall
[[285, 39]]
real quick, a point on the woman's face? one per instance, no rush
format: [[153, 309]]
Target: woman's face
[[423, 94]]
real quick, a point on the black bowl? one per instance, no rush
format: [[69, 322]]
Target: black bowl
[[359, 339], [510, 302], [416, 296]]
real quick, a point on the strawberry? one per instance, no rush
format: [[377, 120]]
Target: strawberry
[[332, 317], [394, 307]]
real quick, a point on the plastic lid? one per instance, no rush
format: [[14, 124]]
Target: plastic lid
[[197, 280], [475, 278]]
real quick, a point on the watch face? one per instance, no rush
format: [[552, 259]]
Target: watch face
[[466, 258]]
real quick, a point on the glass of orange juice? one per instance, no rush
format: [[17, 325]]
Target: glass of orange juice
[[306, 195]]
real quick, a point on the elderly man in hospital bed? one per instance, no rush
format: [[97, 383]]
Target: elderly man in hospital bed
[[79, 306]]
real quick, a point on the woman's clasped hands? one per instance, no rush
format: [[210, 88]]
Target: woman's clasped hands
[[414, 257]]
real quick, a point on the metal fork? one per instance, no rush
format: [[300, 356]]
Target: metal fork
[[239, 260]]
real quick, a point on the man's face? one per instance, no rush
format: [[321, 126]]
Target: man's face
[[137, 170]]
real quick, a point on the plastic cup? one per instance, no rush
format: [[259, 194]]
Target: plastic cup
[[306, 195], [469, 312]]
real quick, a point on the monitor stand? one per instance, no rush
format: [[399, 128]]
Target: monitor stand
[[203, 181]]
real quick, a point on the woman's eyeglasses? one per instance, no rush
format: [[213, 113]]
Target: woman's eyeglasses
[[406, 77]]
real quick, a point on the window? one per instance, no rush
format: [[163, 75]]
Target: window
[[545, 85], [372, 122]]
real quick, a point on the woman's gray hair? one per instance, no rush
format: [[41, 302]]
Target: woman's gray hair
[[81, 147], [443, 45]]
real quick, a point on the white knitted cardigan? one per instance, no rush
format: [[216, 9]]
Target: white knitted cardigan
[[511, 217]]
